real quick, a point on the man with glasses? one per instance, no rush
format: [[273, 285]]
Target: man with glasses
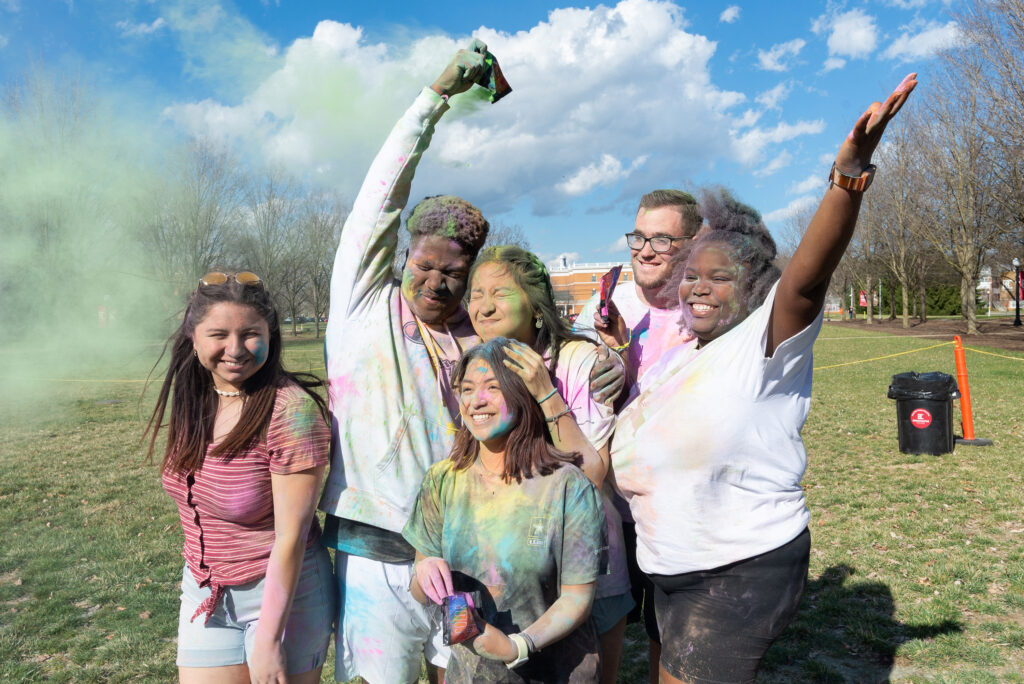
[[643, 323], [642, 320]]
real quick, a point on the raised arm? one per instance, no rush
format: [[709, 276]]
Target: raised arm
[[804, 282], [368, 241]]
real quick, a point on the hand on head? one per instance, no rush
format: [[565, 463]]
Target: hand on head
[[463, 71], [855, 153]]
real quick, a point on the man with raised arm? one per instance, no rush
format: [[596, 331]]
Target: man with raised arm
[[390, 347]]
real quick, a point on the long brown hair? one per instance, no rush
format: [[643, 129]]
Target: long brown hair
[[530, 274], [188, 386], [528, 449]]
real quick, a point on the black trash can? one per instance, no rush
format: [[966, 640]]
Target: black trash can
[[924, 411]]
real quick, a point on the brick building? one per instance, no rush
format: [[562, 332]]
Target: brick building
[[575, 283]]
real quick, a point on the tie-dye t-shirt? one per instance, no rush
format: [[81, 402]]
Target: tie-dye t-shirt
[[709, 454], [513, 546]]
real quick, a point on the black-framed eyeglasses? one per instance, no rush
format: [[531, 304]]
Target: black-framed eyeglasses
[[659, 243], [247, 278]]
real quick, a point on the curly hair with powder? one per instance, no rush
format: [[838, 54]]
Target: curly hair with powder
[[739, 226], [451, 217]]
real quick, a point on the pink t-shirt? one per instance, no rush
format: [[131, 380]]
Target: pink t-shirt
[[227, 508]]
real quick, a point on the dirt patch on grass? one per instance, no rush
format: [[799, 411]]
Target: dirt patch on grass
[[998, 334]]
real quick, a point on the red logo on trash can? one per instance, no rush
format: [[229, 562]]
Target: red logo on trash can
[[920, 418]]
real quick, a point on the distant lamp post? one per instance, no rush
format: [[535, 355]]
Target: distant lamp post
[[1016, 290]]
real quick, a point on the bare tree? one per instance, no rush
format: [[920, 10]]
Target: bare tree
[[322, 221], [897, 195], [268, 241], [507, 234], [995, 31], [197, 214], [959, 157]]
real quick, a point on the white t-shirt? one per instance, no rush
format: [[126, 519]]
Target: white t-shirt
[[709, 454]]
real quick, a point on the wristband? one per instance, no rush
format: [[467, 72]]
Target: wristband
[[547, 396], [624, 346], [523, 649]]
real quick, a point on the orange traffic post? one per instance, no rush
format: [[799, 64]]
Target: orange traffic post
[[966, 416]]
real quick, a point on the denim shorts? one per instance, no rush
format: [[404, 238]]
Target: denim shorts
[[228, 637], [607, 611]]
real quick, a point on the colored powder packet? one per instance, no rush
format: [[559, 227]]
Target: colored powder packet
[[493, 80], [459, 623], [608, 282]]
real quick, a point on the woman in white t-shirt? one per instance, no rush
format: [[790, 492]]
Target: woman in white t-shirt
[[709, 455]]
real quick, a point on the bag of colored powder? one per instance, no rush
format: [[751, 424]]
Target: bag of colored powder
[[459, 623], [493, 80]]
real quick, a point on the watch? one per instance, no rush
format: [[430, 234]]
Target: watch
[[523, 647], [852, 183]]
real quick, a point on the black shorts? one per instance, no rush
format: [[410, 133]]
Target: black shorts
[[716, 625], [640, 586]]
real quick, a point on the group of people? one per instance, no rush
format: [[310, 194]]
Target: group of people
[[564, 479]]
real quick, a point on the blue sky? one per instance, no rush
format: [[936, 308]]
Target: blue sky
[[609, 100]]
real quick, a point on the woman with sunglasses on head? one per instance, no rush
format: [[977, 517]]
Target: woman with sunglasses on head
[[510, 295], [247, 445], [709, 454], [511, 519]]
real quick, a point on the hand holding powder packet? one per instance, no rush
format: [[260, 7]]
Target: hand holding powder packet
[[459, 623], [493, 80]]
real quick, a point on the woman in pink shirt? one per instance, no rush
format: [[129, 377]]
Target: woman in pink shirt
[[247, 445]]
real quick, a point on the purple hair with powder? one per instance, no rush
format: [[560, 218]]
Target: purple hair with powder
[[451, 217]]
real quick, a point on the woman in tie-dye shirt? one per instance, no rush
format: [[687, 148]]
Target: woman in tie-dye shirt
[[513, 520]]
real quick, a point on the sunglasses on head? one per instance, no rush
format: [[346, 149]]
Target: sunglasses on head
[[246, 278]]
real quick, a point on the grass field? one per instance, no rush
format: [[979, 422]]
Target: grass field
[[917, 565]]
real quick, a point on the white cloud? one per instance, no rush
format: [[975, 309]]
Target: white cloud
[[907, 4], [606, 172], [751, 144], [132, 29], [555, 263], [852, 34], [826, 158], [619, 246], [816, 181], [771, 98], [933, 37], [833, 63], [780, 161], [729, 14], [331, 98], [774, 59], [3, 41], [10, 5], [792, 209]]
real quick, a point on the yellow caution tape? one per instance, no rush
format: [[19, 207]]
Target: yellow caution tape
[[879, 358], [1002, 356]]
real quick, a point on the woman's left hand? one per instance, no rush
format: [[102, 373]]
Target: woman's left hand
[[855, 153], [267, 664], [494, 644], [529, 365]]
